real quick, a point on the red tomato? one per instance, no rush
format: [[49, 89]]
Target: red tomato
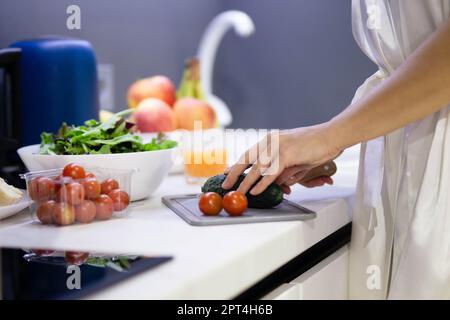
[[72, 193], [43, 252], [210, 203], [89, 175], [109, 185], [74, 170], [91, 188], [120, 198], [235, 203], [85, 211], [45, 212], [58, 181], [63, 214], [41, 188], [77, 258], [104, 206]]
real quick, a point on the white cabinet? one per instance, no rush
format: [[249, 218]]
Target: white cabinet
[[326, 280]]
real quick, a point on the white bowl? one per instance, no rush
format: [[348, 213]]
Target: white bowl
[[181, 136], [151, 167]]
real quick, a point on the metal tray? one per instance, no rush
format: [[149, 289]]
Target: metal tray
[[186, 206]]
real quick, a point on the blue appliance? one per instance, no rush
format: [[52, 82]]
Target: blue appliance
[[58, 82], [43, 82]]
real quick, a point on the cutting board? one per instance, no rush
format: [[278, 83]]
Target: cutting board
[[186, 207]]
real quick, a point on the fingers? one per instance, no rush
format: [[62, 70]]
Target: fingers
[[269, 176], [237, 169], [289, 174], [286, 189], [313, 183], [252, 176], [318, 182], [296, 178], [245, 161]]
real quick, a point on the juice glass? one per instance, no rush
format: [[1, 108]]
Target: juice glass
[[202, 164]]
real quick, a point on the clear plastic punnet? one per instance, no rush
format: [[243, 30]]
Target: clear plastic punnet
[[70, 196]]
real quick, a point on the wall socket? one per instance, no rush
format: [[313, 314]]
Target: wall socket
[[106, 86]]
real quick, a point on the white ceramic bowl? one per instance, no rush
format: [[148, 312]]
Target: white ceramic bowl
[[151, 167]]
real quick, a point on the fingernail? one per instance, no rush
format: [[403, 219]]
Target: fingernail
[[253, 192]]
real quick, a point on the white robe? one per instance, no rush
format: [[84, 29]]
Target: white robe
[[400, 246]]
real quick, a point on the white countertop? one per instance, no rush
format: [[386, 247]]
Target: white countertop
[[208, 262]]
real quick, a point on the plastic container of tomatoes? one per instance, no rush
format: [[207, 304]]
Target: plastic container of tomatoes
[[76, 194]]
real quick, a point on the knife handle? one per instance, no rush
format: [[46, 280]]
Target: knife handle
[[327, 169]]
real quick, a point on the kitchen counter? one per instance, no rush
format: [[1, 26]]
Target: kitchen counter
[[208, 262]]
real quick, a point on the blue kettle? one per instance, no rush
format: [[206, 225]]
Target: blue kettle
[[58, 83]]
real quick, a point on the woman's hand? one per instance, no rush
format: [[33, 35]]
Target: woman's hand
[[316, 182], [284, 157]]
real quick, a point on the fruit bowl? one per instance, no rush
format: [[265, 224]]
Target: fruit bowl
[[150, 167]]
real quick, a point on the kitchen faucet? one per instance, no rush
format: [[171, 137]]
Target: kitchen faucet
[[243, 26]]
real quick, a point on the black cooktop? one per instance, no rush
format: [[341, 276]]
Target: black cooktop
[[45, 274]]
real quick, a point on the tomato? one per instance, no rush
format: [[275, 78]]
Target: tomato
[[74, 170], [89, 175], [72, 193], [210, 203], [85, 211], [63, 214], [91, 188], [45, 212], [41, 188], [109, 185], [77, 258], [235, 203], [104, 206], [43, 252], [58, 181], [120, 198]]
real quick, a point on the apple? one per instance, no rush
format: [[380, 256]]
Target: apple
[[159, 87], [154, 115], [189, 110]]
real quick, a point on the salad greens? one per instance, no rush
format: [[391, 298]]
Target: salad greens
[[120, 263], [111, 136]]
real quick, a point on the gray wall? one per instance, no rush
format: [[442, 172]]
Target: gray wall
[[300, 67]]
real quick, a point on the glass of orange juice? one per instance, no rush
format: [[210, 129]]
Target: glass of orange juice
[[204, 158], [202, 164]]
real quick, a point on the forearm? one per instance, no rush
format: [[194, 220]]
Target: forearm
[[418, 88]]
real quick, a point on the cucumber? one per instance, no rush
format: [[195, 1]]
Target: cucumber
[[269, 198]]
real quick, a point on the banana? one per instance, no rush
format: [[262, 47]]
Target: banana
[[190, 85]]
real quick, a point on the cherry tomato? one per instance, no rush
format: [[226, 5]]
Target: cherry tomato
[[43, 252], [210, 203], [58, 181], [89, 175], [104, 207], [91, 187], [63, 214], [85, 211], [72, 193], [74, 170], [109, 185], [76, 258], [235, 203], [120, 198], [41, 188], [45, 212]]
